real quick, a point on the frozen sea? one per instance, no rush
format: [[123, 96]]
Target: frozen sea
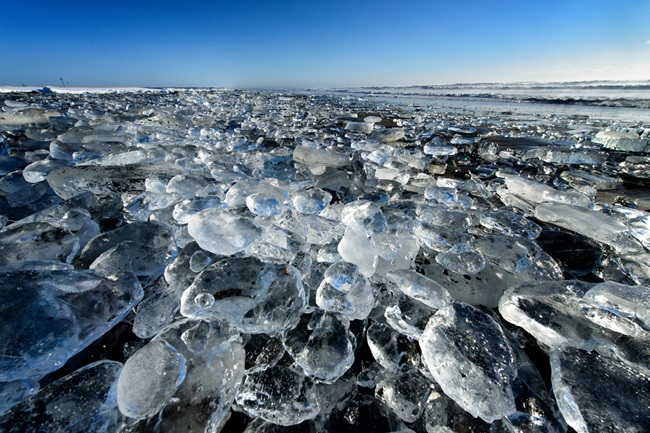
[[418, 259]]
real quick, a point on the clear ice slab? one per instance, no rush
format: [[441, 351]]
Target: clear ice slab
[[599, 394], [48, 316], [253, 296], [85, 400], [469, 356]]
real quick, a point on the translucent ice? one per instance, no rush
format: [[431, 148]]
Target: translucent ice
[[149, 378], [51, 315], [406, 394], [322, 345], [81, 401], [599, 394], [252, 295], [222, 232], [344, 290], [36, 242], [469, 356], [280, 395], [510, 224], [420, 288], [582, 221]]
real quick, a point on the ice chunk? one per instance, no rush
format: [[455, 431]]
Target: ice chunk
[[566, 157], [322, 345], [388, 135], [550, 311], [311, 201], [468, 354], [251, 295], [462, 260], [36, 242], [355, 247], [599, 394], [405, 393], [624, 141], [629, 302], [51, 315], [222, 232], [186, 186], [506, 253], [360, 127], [279, 395], [68, 182], [510, 224], [215, 368], [528, 189], [408, 316], [420, 288], [390, 349], [363, 413], [264, 204], [344, 290], [310, 156], [12, 393], [443, 415], [81, 401], [364, 216], [144, 248], [582, 221], [149, 378], [142, 260]]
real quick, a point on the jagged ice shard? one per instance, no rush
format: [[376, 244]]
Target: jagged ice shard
[[399, 261]]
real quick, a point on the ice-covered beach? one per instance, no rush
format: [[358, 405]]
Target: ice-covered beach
[[424, 259]]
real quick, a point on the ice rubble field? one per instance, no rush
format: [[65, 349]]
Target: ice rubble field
[[262, 262]]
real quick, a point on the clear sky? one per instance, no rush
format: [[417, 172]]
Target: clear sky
[[318, 43]]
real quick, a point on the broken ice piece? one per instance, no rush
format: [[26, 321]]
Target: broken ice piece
[[405, 393], [81, 401], [510, 224], [420, 288], [322, 345], [222, 232], [48, 316], [36, 241], [279, 395], [468, 354], [311, 201], [596, 393], [149, 378], [251, 295], [344, 290], [584, 221]]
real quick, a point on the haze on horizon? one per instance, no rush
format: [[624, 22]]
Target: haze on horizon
[[292, 44]]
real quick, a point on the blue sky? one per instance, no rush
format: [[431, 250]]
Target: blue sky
[[318, 44]]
